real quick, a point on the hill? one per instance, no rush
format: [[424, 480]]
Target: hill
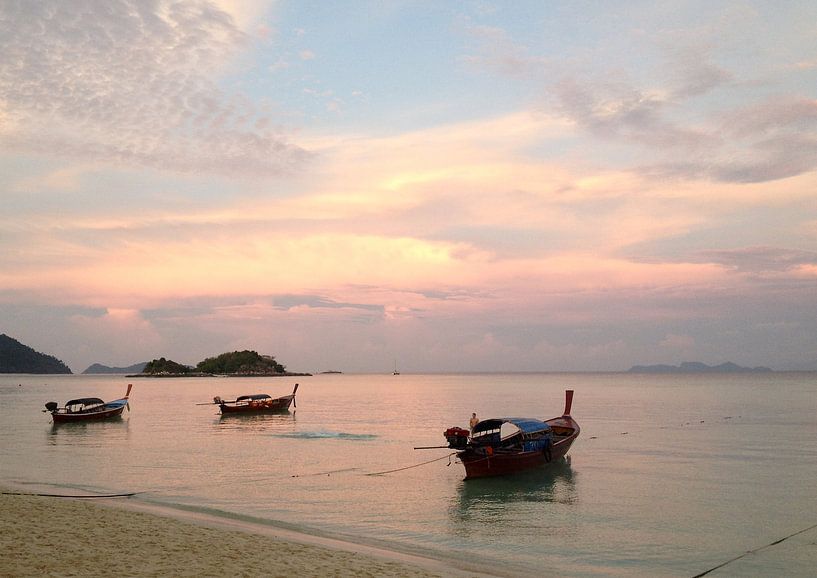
[[697, 367], [237, 363], [241, 363], [98, 368], [164, 367], [18, 358]]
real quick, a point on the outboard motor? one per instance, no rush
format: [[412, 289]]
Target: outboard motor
[[51, 406], [457, 437]]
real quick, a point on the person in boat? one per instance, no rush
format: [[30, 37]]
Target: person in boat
[[474, 421]]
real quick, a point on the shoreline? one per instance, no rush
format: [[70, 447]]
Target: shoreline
[[53, 535], [197, 374]]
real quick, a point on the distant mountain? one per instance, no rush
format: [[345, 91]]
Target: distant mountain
[[697, 367], [99, 368], [18, 358]]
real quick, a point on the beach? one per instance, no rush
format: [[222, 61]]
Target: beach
[[49, 536]]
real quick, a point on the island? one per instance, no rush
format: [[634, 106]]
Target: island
[[18, 358], [98, 368], [697, 367], [236, 363]]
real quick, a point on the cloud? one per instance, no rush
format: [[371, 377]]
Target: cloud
[[497, 51], [759, 260], [133, 84], [657, 114], [621, 112], [677, 344], [783, 114], [245, 13], [287, 302], [695, 75]]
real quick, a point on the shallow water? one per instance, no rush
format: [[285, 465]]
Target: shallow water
[[672, 474]]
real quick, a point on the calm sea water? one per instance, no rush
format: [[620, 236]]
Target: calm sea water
[[671, 476]]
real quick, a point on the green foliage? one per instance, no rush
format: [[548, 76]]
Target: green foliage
[[18, 358], [241, 363], [165, 366]]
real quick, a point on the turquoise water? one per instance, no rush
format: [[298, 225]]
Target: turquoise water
[[671, 476]]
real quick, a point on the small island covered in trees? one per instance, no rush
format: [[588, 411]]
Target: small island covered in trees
[[237, 363]]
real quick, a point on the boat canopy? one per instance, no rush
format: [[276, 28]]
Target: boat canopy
[[508, 427], [85, 401], [254, 397]]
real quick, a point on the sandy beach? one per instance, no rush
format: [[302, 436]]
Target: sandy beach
[[47, 536]]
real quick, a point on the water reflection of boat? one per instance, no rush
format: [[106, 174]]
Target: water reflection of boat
[[258, 422], [486, 498], [94, 433]]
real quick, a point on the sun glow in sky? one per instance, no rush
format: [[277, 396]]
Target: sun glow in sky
[[459, 186]]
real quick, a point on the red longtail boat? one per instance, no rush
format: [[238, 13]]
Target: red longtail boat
[[88, 409], [256, 403], [501, 446]]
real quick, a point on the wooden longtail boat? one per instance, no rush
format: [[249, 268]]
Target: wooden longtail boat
[[256, 403], [88, 409], [508, 445]]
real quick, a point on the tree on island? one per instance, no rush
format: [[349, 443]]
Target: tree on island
[[164, 366], [241, 363]]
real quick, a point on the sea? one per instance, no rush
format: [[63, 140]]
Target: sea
[[672, 475]]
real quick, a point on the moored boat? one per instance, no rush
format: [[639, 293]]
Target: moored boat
[[87, 409], [501, 446], [256, 403]]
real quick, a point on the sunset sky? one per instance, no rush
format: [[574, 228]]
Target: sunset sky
[[449, 186]]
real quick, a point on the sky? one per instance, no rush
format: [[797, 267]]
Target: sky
[[437, 186]]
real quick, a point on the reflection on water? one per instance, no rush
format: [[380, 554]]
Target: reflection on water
[[257, 422], [88, 433], [497, 500]]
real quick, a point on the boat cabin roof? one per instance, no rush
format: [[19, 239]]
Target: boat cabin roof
[[84, 401], [510, 426], [254, 397]]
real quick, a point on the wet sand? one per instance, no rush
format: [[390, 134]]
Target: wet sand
[[47, 536]]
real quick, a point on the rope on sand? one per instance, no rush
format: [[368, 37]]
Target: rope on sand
[[413, 466], [129, 494], [776, 542]]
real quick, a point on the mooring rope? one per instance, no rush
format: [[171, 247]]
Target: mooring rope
[[98, 496], [775, 543], [412, 466], [323, 473]]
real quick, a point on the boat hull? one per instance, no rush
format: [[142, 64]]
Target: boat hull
[[277, 405], [102, 414], [481, 464]]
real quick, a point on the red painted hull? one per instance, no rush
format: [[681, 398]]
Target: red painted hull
[[271, 406], [480, 465]]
